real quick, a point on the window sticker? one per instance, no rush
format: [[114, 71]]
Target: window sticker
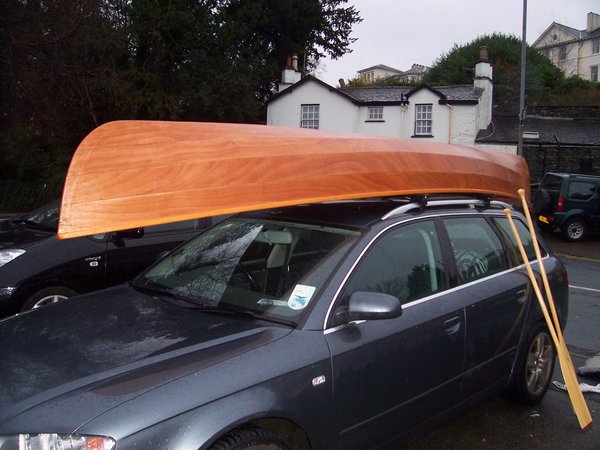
[[271, 302], [301, 296]]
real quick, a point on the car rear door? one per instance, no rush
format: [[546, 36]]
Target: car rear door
[[389, 375], [495, 297]]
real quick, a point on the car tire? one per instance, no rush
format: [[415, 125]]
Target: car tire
[[47, 296], [542, 201], [574, 230], [533, 368], [250, 438]]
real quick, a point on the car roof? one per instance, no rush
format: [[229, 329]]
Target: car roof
[[353, 213], [364, 213]]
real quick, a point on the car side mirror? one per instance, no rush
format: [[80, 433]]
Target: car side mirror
[[373, 306]]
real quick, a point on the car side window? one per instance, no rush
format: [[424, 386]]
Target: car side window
[[524, 235], [477, 249], [406, 263], [581, 190], [173, 227]]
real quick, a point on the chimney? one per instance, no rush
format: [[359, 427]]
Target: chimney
[[342, 83], [290, 73], [593, 22], [483, 80]]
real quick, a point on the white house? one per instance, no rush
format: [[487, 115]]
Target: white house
[[374, 73], [575, 52], [453, 114]]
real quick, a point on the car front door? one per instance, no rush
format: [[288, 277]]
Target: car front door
[[389, 375]]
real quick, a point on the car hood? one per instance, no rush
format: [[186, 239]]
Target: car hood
[[108, 347], [13, 236]]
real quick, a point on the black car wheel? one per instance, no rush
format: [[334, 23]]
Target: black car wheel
[[47, 296], [250, 438], [534, 367], [574, 230]]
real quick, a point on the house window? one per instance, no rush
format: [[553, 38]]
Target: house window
[[423, 120], [375, 112], [596, 46], [562, 52], [594, 73], [310, 116]]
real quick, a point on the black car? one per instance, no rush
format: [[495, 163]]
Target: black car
[[37, 269], [328, 326], [570, 202]]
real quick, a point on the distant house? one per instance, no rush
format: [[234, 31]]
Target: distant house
[[453, 114], [414, 74], [374, 73], [575, 52]]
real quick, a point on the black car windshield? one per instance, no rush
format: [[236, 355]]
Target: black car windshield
[[45, 217], [270, 269]]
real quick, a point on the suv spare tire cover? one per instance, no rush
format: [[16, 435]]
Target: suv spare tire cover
[[542, 200]]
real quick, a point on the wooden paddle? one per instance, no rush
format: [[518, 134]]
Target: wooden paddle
[[564, 358]]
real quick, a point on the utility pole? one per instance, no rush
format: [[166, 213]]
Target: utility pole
[[522, 90]]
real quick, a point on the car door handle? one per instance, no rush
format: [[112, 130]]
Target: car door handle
[[452, 325], [521, 296]]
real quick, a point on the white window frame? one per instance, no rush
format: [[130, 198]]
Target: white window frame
[[423, 119], [594, 73], [309, 116], [596, 46], [375, 113]]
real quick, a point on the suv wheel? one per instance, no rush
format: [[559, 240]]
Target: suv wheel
[[534, 367], [574, 230], [47, 296], [250, 438]]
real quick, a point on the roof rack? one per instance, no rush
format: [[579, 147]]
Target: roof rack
[[423, 201]]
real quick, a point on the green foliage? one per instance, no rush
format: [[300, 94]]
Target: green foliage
[[67, 67]]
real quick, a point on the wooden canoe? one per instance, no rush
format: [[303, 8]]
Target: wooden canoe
[[130, 174]]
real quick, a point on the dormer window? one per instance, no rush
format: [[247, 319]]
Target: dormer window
[[423, 120]]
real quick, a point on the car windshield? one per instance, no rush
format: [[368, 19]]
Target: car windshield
[[268, 269], [45, 217]]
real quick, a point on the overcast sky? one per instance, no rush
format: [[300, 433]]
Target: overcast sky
[[398, 33]]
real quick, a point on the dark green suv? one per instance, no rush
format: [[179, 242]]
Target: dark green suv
[[570, 202]]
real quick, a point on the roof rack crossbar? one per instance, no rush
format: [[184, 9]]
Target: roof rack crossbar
[[423, 201]]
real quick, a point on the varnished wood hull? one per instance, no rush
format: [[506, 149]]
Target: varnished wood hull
[[131, 174]]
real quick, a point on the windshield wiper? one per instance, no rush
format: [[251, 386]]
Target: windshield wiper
[[31, 224], [150, 287], [242, 312]]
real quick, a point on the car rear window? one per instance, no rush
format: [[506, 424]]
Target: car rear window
[[551, 182]]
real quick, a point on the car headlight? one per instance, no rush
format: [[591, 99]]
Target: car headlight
[[8, 254], [53, 441]]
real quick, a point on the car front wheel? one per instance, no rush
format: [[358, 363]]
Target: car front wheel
[[574, 230], [250, 438], [534, 367], [47, 296]]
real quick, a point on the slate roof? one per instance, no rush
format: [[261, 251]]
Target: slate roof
[[552, 131], [397, 94]]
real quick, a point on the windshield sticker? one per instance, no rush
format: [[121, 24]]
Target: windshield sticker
[[271, 302], [301, 296]]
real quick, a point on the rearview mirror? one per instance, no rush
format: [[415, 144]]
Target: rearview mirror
[[373, 306]]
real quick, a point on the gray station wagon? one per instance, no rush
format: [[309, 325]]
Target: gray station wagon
[[329, 326]]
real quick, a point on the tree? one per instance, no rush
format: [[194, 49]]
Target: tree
[[67, 67]]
